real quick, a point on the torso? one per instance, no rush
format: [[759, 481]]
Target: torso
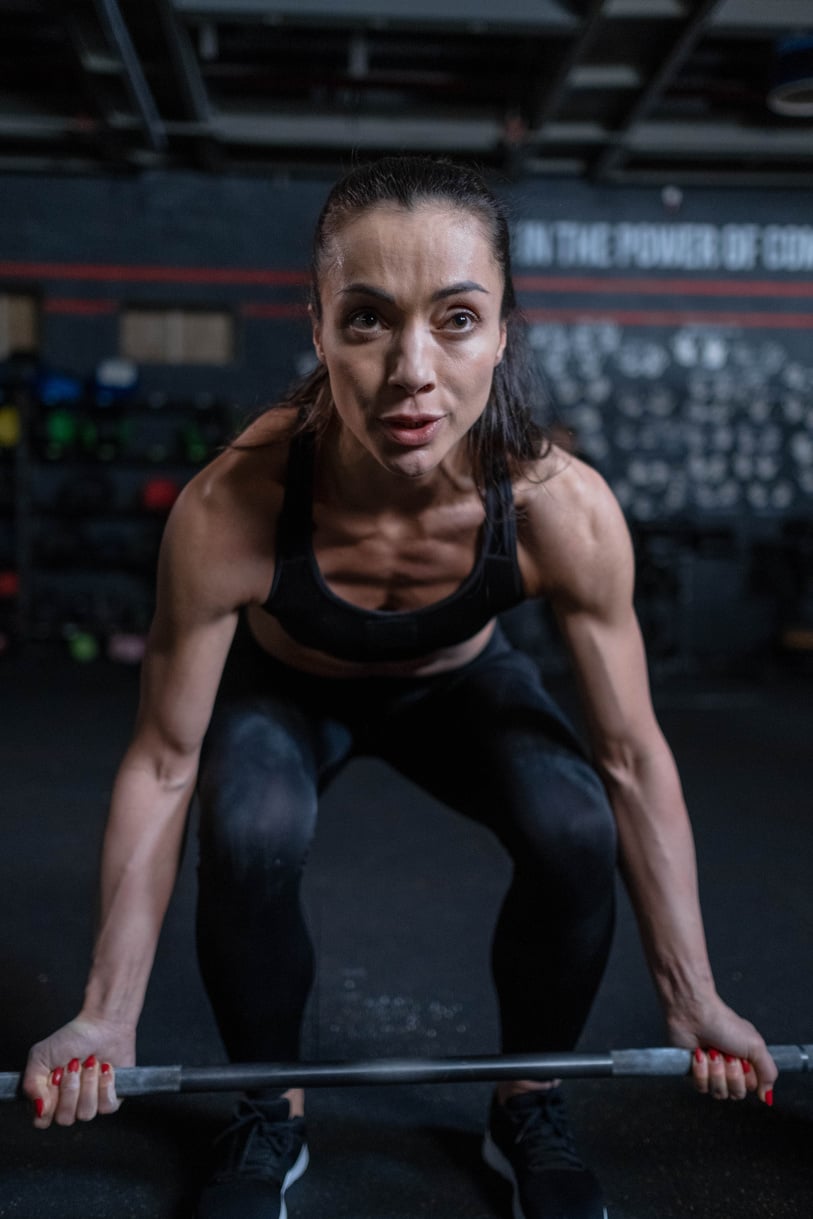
[[393, 561]]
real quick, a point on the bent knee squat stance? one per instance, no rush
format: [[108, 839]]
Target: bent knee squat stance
[[264, 765]]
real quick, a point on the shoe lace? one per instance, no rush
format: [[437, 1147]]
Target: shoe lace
[[256, 1144], [544, 1135]]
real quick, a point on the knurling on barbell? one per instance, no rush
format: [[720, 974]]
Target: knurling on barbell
[[240, 1077]]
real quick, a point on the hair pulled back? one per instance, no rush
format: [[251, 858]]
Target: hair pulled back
[[508, 434]]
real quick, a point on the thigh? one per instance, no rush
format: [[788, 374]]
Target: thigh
[[494, 745], [267, 755]]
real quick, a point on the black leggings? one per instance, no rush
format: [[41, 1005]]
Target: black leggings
[[488, 741]]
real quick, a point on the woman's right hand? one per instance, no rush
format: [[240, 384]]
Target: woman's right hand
[[70, 1075]]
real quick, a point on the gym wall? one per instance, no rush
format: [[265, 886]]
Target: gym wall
[[672, 329]]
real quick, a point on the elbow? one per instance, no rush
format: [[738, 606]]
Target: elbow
[[170, 768], [175, 775], [623, 765], [617, 771]]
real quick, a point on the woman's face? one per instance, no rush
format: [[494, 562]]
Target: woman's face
[[410, 331]]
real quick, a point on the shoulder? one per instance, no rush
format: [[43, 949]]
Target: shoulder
[[220, 533], [573, 539]]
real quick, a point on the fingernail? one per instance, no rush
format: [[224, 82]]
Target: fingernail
[[105, 1068], [39, 1105], [714, 1055], [73, 1065], [746, 1066], [89, 1062], [56, 1077], [698, 1055], [730, 1058], [769, 1097]]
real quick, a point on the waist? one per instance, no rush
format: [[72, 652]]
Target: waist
[[268, 635]]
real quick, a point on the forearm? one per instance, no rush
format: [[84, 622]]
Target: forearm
[[140, 859], [657, 859]]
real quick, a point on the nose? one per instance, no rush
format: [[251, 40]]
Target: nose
[[411, 367]]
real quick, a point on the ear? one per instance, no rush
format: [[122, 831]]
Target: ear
[[316, 334], [503, 340]]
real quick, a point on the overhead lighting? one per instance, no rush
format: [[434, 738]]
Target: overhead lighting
[[791, 91]]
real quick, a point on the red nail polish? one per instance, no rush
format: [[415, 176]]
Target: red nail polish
[[714, 1055], [105, 1068], [56, 1076], [73, 1065], [39, 1105], [746, 1066], [730, 1058], [89, 1062], [698, 1055], [769, 1097]]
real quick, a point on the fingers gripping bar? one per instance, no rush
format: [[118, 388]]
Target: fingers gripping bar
[[235, 1077]]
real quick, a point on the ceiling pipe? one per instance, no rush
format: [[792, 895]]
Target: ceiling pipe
[[144, 102]]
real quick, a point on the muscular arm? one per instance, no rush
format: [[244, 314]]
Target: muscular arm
[[188, 642], [589, 577], [200, 583]]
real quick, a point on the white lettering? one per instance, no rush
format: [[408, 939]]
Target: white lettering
[[788, 247], [533, 243], [583, 245], [684, 247], [740, 246]]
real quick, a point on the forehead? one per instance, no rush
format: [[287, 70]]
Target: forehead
[[432, 244]]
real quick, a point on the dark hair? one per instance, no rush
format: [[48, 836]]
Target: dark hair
[[509, 432]]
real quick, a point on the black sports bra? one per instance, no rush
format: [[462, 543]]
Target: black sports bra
[[311, 614]]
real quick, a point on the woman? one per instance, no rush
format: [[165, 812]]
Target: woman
[[365, 533]]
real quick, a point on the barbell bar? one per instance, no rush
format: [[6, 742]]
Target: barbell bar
[[240, 1077]]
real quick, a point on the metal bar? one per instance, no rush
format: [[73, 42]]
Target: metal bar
[[139, 89], [699, 17], [238, 1077]]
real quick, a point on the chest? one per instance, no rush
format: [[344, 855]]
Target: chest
[[397, 562]]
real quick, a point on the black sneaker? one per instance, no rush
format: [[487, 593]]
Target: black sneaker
[[257, 1157], [528, 1142]]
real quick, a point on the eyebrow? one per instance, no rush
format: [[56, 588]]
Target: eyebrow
[[465, 285]]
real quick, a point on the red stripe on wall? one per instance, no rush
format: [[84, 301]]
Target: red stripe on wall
[[621, 286], [151, 274], [78, 306], [676, 317]]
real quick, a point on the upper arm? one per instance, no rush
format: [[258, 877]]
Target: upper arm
[[590, 583], [217, 555], [195, 618]]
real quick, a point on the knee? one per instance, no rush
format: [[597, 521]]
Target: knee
[[257, 802], [572, 839]]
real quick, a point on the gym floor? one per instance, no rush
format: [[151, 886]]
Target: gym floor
[[402, 933]]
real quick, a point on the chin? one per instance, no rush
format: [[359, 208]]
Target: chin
[[412, 465]]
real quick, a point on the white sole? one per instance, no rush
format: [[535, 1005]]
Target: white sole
[[496, 1160], [293, 1174]]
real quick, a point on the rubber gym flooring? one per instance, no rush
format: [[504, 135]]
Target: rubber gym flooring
[[402, 929]]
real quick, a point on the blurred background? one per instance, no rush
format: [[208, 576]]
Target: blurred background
[[161, 166], [162, 163]]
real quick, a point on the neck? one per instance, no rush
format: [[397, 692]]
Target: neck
[[347, 473]]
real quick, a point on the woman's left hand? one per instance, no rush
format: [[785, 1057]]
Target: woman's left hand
[[729, 1057]]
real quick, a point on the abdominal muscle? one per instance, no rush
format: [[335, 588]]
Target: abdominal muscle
[[278, 643]]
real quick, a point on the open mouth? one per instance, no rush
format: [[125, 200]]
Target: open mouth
[[411, 429]]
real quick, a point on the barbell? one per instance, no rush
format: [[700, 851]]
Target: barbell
[[240, 1077]]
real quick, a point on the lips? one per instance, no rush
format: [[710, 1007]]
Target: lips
[[411, 430]]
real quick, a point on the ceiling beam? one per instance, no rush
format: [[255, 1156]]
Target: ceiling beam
[[539, 15], [548, 94], [764, 15], [677, 54], [138, 88]]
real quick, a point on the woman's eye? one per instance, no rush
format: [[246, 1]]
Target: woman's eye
[[461, 320], [364, 319]]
